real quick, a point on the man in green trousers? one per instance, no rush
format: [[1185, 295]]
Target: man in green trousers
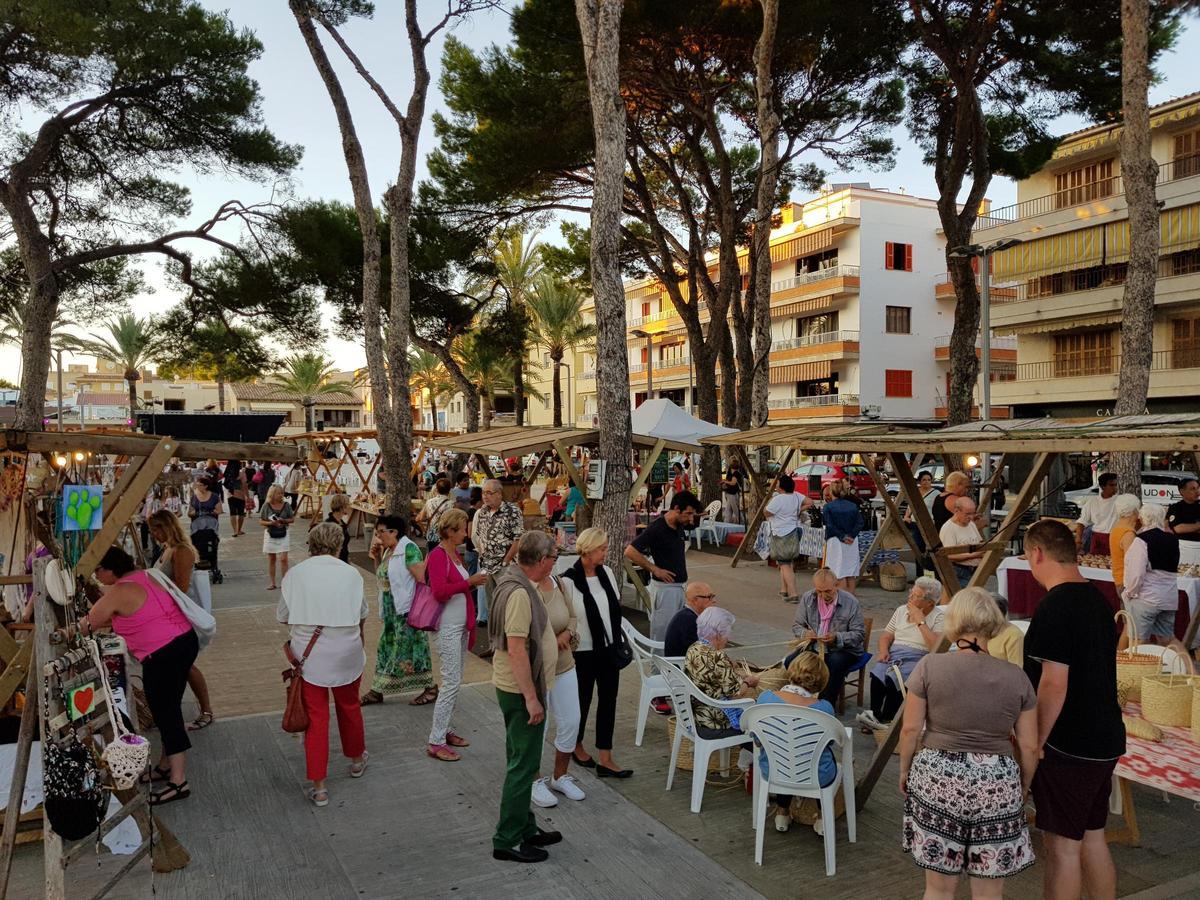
[[522, 673]]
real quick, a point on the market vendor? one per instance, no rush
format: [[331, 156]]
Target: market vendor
[[1098, 516], [1184, 516]]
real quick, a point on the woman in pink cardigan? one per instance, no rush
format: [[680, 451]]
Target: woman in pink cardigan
[[453, 588]]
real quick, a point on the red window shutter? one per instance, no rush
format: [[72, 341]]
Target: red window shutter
[[908, 257], [887, 256], [645, 356], [645, 309], [897, 382]]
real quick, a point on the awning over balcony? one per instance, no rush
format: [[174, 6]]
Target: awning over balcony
[[809, 371], [813, 242], [816, 304], [1058, 253], [1178, 230], [1064, 325]]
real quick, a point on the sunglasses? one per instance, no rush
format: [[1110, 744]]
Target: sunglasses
[[706, 596]]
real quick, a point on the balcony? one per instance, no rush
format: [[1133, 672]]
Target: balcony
[[1072, 201], [585, 420], [821, 406], [998, 412], [944, 290], [664, 370], [828, 345], [1004, 348], [588, 375], [833, 280]]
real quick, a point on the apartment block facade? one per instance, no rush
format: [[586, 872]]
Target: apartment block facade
[[1059, 293], [861, 316]]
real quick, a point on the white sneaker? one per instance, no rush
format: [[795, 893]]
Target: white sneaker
[[867, 719], [568, 787], [782, 821], [819, 826], [541, 794]]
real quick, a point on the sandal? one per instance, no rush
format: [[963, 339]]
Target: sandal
[[154, 775], [357, 769], [442, 752], [455, 741], [272, 588], [201, 722], [176, 791], [426, 696], [319, 798], [370, 698]]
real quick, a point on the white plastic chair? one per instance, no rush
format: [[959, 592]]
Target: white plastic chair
[[707, 524], [683, 692], [653, 684], [1172, 662], [1022, 624], [794, 738]]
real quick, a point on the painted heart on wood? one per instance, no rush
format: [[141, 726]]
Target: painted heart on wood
[[82, 699]]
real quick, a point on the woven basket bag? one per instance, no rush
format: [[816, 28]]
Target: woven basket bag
[[1133, 666]]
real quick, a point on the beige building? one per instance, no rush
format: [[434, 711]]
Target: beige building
[[332, 411], [1060, 291]]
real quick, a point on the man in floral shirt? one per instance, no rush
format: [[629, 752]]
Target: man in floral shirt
[[495, 531]]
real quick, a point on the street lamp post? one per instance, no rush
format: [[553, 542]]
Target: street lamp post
[[984, 253]]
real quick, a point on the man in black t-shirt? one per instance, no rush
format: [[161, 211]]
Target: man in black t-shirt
[[665, 541], [1070, 656], [1184, 516]]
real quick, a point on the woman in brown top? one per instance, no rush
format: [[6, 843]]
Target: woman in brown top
[[964, 794], [562, 700]]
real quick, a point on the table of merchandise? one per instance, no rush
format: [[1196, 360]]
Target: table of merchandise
[[1171, 765], [1015, 581]]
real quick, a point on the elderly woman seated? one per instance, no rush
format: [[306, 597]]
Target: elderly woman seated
[[712, 672], [807, 677], [913, 631]]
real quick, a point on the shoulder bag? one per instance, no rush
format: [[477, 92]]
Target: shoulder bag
[[201, 620], [425, 613], [295, 717]]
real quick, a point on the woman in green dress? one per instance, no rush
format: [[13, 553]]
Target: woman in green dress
[[402, 660]]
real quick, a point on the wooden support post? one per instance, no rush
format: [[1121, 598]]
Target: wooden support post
[[12, 813], [45, 622], [893, 510], [573, 473], [756, 519], [537, 468], [647, 467], [1024, 499], [912, 493], [485, 465], [636, 581], [985, 495]]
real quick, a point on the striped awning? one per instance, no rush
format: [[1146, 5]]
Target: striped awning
[[803, 245], [1058, 253], [1062, 326], [809, 371], [1178, 230], [816, 304]]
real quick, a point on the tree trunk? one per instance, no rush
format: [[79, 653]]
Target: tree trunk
[[221, 394], [743, 357], [364, 206], [131, 377], [1140, 174], [706, 396], [557, 388], [461, 381], [964, 364], [41, 308], [519, 389], [486, 402], [729, 383], [759, 295], [600, 27], [310, 418], [432, 411]]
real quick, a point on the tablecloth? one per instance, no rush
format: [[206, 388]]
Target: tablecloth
[[1172, 765], [1015, 581], [724, 530]]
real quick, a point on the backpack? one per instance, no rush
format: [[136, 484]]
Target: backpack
[[231, 479], [431, 532]]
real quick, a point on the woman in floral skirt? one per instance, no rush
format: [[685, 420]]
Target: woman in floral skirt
[[402, 660]]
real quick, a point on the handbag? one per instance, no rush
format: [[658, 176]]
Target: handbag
[[126, 755], [426, 612], [202, 621], [295, 717], [619, 651]]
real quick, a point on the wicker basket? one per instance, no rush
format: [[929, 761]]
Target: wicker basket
[[1133, 667], [893, 576], [685, 751], [1167, 699]]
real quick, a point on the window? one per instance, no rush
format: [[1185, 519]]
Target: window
[[671, 354], [1185, 343], [1078, 280], [1185, 160], [1084, 353], [1084, 184], [899, 320], [898, 256], [897, 383], [173, 405], [816, 262], [818, 387], [1185, 263], [645, 309], [811, 326]]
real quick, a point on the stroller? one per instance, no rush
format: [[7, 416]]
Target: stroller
[[206, 543]]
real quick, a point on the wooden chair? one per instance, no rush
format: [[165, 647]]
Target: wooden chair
[[856, 678]]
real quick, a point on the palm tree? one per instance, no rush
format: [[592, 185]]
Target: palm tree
[[557, 310], [216, 352], [428, 374], [309, 375], [129, 345]]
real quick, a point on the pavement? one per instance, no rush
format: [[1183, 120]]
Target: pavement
[[413, 827]]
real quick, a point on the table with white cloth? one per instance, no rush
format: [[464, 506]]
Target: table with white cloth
[[1015, 581], [722, 530]]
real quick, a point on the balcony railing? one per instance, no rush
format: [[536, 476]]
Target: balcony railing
[[1092, 363], [588, 375], [814, 277], [813, 340], [809, 402], [1006, 342], [1174, 265], [663, 315], [1102, 189]]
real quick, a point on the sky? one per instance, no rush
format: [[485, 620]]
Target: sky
[[296, 107]]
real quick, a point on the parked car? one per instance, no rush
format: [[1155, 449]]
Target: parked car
[[1161, 487], [812, 477]]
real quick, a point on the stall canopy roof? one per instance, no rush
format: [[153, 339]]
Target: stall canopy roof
[[517, 440], [660, 418], [1169, 432], [356, 434]]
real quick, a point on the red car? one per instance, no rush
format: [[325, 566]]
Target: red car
[[812, 477]]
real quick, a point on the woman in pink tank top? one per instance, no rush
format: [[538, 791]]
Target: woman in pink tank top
[[158, 634]]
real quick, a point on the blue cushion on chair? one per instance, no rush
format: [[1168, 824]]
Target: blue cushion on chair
[[861, 664]]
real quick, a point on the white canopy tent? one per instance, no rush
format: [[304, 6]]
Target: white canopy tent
[[661, 418]]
